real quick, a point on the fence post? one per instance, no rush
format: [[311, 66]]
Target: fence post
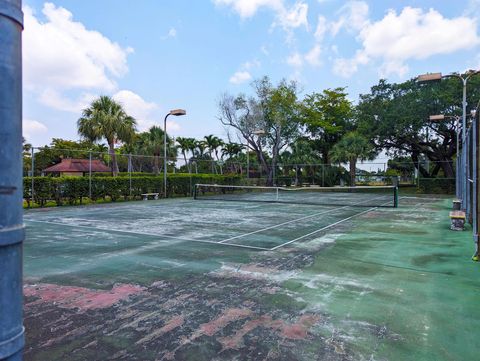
[[33, 173], [90, 175], [476, 188], [12, 231], [130, 173]]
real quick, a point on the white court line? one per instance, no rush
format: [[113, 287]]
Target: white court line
[[429, 198], [322, 229], [278, 225], [147, 234], [332, 210]]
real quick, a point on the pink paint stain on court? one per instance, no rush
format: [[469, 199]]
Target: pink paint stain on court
[[230, 315], [294, 331], [79, 297]]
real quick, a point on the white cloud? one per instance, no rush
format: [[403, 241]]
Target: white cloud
[[295, 60], [347, 67], [57, 100], [411, 34], [251, 64], [32, 128], [248, 8], [288, 18], [172, 33], [61, 53], [173, 126], [322, 27], [313, 56], [264, 50], [137, 107], [240, 77], [353, 17], [294, 17]]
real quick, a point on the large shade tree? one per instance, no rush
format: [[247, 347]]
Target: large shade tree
[[268, 121], [327, 117], [106, 119], [396, 118]]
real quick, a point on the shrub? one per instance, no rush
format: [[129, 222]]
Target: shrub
[[72, 190]]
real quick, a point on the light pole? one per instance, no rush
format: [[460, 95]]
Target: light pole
[[176, 112], [464, 80]]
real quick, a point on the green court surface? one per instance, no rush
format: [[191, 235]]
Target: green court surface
[[183, 279]]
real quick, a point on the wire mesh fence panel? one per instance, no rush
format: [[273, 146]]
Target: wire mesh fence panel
[[92, 167]]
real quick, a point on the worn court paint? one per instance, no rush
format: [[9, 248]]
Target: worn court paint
[[386, 285]]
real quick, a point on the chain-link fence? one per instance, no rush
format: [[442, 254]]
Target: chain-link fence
[[89, 174]]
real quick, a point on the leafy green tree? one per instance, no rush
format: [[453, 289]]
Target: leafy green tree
[[351, 148], [268, 122], [402, 166], [397, 115], [327, 117], [61, 148], [106, 119]]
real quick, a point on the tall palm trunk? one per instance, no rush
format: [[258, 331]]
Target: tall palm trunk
[[353, 167], [113, 157], [185, 159], [156, 163], [214, 169]]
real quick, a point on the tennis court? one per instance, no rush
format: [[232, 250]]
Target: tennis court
[[215, 279], [257, 219]]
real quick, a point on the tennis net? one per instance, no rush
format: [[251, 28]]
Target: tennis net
[[361, 196]]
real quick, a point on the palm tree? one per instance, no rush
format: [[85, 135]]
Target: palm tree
[[232, 150], [186, 144], [106, 119], [351, 148], [200, 147], [213, 143], [153, 143]]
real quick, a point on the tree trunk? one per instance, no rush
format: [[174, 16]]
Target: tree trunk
[[447, 167], [186, 164], [353, 166], [156, 162], [113, 158]]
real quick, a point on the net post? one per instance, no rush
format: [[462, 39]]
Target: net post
[[277, 194], [395, 197], [195, 191]]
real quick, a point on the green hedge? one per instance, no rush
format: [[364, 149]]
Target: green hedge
[[437, 185], [72, 190]]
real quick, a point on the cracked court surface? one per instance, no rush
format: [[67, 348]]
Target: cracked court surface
[[187, 280]]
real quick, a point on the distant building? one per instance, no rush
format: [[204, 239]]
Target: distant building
[[76, 167]]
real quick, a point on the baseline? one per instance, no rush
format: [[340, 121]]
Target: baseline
[[147, 234]]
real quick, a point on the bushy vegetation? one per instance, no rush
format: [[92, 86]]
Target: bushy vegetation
[[75, 190]]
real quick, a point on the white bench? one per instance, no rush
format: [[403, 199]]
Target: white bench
[[457, 219], [146, 195]]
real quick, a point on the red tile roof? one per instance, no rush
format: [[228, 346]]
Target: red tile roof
[[77, 165]]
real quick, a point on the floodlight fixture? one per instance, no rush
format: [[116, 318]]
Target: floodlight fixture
[[177, 113], [429, 77]]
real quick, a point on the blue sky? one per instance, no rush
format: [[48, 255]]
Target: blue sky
[[155, 55]]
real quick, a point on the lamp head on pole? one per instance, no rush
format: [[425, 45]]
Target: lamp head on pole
[[259, 132], [178, 112], [437, 118], [429, 77]]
